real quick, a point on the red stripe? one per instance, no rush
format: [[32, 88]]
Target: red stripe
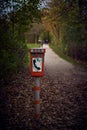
[[36, 88], [36, 115], [37, 102]]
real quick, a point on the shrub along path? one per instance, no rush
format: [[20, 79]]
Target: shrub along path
[[63, 98]]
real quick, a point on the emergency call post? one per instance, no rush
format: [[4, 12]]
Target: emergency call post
[[37, 61]]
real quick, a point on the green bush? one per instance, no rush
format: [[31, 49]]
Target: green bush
[[73, 41], [13, 56]]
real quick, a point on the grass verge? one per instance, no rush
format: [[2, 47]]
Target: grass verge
[[67, 58], [32, 45]]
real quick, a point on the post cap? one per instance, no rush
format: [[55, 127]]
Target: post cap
[[37, 50]]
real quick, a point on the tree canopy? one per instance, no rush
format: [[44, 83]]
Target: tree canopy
[[67, 22]]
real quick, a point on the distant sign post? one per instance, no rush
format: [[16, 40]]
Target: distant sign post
[[37, 70]]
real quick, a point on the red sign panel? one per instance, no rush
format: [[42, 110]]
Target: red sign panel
[[37, 61]]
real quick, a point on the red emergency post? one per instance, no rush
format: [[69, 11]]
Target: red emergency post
[[37, 61]]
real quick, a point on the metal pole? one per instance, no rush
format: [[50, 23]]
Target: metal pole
[[37, 97]]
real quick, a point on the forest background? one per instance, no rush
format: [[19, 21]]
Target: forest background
[[62, 22]]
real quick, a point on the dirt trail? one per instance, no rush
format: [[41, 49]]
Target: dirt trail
[[64, 94], [57, 67], [54, 64]]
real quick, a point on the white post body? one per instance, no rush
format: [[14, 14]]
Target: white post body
[[37, 97]]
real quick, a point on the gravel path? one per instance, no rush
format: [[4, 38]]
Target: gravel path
[[63, 98], [55, 65], [65, 95]]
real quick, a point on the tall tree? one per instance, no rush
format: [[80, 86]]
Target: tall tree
[[68, 21], [15, 18]]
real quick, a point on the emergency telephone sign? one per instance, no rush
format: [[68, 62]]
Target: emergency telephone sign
[[37, 64], [37, 61]]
